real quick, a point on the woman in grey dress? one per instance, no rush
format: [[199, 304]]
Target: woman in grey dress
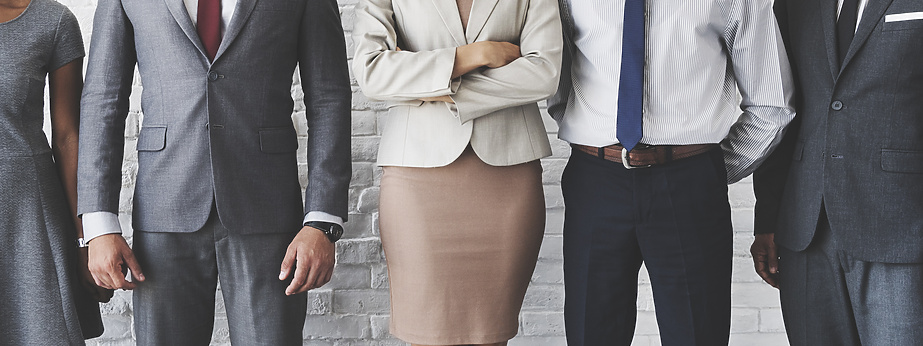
[[49, 297]]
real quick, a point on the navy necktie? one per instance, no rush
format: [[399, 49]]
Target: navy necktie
[[631, 79]]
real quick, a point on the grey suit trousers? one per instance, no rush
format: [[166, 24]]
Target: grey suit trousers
[[176, 304], [830, 298]]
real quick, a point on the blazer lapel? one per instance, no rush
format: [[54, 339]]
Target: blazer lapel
[[827, 10], [178, 10], [869, 21], [241, 15], [480, 11], [448, 10]]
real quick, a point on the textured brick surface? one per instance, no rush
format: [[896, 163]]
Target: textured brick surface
[[353, 308]]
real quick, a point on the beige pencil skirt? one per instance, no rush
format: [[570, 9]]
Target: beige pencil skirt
[[461, 243]]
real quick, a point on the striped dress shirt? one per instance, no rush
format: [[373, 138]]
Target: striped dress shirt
[[715, 71]]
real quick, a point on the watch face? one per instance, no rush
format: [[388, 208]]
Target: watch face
[[336, 231]]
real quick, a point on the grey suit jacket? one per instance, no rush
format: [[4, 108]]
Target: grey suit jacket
[[495, 109], [217, 131], [859, 148]]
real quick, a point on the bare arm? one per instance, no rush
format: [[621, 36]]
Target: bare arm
[[65, 85]]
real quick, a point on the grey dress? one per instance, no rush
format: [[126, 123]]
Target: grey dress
[[41, 302]]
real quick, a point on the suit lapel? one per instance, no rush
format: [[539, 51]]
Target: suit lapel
[[869, 21], [827, 10], [448, 10], [241, 15], [178, 10], [480, 11]]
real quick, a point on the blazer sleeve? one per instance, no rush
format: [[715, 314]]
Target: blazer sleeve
[[104, 108], [384, 73], [327, 98], [770, 178], [529, 79], [557, 104]]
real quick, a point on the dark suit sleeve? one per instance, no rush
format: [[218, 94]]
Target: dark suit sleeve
[[327, 97], [103, 109], [770, 178]]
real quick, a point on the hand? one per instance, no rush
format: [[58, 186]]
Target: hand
[[110, 261], [313, 256], [497, 54], [765, 258], [99, 294]]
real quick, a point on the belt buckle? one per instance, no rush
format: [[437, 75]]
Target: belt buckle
[[627, 162]]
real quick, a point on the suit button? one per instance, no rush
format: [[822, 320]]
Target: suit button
[[212, 76], [836, 105]]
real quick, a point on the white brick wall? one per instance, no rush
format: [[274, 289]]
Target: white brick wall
[[353, 308]]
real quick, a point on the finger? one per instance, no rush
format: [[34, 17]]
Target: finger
[[102, 284], [759, 264], [101, 279], [117, 273], [301, 276], [313, 275], [118, 279], [287, 264], [773, 260], [133, 265], [773, 281]]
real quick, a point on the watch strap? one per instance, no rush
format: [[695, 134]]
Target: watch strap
[[331, 230]]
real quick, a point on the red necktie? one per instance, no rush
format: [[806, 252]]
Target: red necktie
[[209, 25]]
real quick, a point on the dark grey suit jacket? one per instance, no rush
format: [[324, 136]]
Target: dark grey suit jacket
[[218, 131], [859, 148]]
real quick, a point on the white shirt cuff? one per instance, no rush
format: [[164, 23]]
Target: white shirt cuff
[[323, 217], [100, 223]]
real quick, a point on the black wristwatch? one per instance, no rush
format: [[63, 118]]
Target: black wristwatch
[[331, 230]]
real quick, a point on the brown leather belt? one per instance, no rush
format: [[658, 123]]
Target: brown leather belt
[[643, 156]]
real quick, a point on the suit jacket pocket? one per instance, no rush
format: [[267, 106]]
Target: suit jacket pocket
[[152, 138], [277, 140], [902, 161], [902, 21]]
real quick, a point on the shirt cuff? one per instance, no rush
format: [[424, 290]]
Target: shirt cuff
[[100, 223], [323, 217]]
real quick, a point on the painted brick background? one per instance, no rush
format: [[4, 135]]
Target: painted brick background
[[353, 308]]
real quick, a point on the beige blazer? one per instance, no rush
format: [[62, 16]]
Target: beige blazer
[[495, 109]]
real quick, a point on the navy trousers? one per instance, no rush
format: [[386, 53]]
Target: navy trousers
[[676, 219]]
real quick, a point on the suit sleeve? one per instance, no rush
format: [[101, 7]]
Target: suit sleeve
[[384, 73], [327, 98], [103, 109], [770, 178], [529, 79]]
